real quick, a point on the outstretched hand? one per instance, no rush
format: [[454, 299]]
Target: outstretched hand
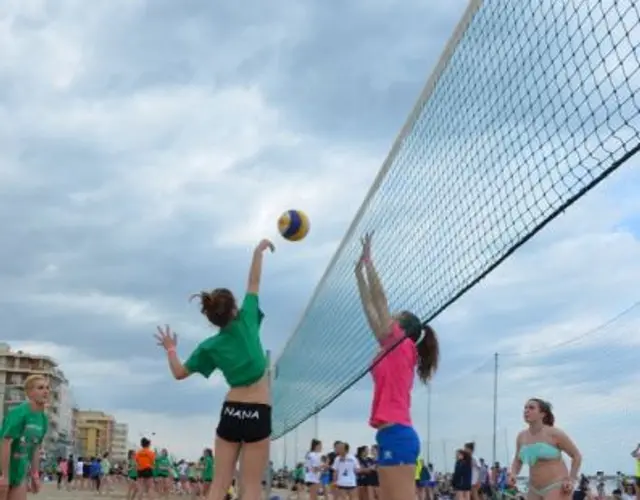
[[166, 338], [366, 246], [265, 244]]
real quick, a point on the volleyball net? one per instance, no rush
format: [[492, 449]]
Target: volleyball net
[[588, 373], [532, 103]]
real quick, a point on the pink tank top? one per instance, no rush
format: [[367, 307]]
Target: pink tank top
[[393, 380]]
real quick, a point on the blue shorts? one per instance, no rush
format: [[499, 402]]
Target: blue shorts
[[397, 445]]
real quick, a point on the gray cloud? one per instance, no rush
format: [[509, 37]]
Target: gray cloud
[[144, 146]]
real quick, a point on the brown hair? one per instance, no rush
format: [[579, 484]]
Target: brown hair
[[545, 408], [219, 306], [314, 444], [428, 347], [465, 456]]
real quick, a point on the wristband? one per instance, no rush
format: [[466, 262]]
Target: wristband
[[35, 474], [171, 350], [366, 260]]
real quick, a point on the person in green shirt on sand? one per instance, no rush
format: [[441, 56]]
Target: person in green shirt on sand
[[162, 471], [22, 433], [236, 350], [132, 475], [207, 471], [192, 474], [105, 466]]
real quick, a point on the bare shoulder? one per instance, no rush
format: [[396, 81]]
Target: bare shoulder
[[557, 435], [522, 436], [555, 432]]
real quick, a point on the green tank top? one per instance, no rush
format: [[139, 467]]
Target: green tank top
[[191, 472], [132, 472], [162, 466], [207, 472], [236, 350]]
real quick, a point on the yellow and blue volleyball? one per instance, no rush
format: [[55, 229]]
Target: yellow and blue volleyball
[[293, 225]]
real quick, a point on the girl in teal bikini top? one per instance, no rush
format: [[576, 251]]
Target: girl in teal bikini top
[[544, 443], [531, 453]]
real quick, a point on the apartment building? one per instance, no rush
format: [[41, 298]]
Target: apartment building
[[94, 432], [15, 367], [120, 442]]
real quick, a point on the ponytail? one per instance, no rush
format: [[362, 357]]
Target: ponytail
[[426, 343], [549, 418], [428, 353]]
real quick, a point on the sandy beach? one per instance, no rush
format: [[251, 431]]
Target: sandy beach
[[50, 492]]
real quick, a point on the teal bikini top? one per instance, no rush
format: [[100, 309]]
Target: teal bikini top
[[531, 453]]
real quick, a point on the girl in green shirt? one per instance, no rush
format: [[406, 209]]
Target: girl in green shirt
[[192, 475], [164, 481], [207, 471], [132, 474], [105, 472], [236, 350]]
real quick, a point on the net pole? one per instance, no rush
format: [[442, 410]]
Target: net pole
[[268, 474], [506, 446], [295, 445], [458, 33], [495, 408], [284, 448], [444, 455], [316, 424]]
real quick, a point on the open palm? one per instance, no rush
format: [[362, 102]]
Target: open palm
[[166, 338]]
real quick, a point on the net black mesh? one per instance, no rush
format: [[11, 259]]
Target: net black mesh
[[538, 102]]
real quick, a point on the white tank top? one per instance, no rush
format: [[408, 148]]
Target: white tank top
[[346, 469], [312, 461]]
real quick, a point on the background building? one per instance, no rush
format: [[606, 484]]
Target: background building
[[120, 441], [15, 367], [94, 432]]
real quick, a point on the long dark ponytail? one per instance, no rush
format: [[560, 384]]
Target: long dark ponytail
[[426, 342]]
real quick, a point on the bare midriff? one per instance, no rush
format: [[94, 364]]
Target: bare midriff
[[546, 472], [257, 392]]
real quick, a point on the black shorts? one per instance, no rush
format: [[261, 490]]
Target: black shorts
[[244, 422], [145, 473], [373, 479], [346, 488], [86, 475]]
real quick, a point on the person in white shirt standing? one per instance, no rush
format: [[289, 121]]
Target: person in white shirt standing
[[346, 467], [475, 472], [313, 468], [80, 481]]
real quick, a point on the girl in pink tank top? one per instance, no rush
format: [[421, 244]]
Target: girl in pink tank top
[[407, 347]]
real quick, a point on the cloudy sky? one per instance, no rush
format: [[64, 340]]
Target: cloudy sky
[[145, 147]]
